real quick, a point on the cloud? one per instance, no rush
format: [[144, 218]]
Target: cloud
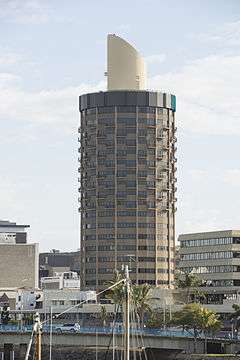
[[52, 107], [225, 35], [9, 58], [232, 177], [155, 59], [207, 92], [28, 12]]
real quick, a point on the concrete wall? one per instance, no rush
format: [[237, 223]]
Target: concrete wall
[[19, 265]]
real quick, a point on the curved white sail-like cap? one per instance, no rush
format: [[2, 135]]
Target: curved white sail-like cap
[[125, 66]]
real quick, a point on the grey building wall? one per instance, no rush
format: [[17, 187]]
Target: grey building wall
[[19, 265]]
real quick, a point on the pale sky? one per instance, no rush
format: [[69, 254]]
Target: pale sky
[[52, 51]]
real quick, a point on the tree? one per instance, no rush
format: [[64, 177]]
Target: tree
[[117, 294], [209, 323], [5, 315], [198, 319], [103, 315], [140, 300], [159, 318], [235, 317], [190, 282]]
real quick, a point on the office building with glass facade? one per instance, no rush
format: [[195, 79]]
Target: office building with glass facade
[[215, 259]]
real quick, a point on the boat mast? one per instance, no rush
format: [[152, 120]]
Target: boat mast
[[127, 319], [38, 331]]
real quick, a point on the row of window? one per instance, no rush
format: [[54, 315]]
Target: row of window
[[92, 214], [140, 271], [126, 225], [208, 255], [90, 183], [129, 248], [216, 283], [108, 204], [211, 269], [130, 237], [126, 109], [124, 258], [121, 225], [206, 242]]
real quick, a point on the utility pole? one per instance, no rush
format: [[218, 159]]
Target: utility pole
[[127, 319]]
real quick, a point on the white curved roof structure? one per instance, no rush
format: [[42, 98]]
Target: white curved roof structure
[[125, 66]]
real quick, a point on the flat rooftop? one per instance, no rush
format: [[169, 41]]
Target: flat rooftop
[[209, 234], [6, 223]]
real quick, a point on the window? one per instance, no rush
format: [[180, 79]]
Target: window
[[105, 271], [90, 271], [146, 271], [211, 269], [146, 247], [106, 259], [146, 259], [126, 247], [126, 225], [91, 248], [106, 247], [127, 213], [126, 236], [208, 256], [106, 237], [206, 242]]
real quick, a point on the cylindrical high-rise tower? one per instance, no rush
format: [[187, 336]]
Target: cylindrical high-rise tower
[[127, 176]]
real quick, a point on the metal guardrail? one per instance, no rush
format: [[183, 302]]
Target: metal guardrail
[[108, 330]]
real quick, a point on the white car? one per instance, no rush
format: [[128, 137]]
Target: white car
[[73, 328]]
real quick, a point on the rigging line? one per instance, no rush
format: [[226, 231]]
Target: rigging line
[[111, 338], [137, 333], [140, 337], [82, 302], [143, 347], [123, 333], [132, 331], [29, 345]]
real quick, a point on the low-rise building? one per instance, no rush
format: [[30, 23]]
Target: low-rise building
[[215, 258], [18, 259], [74, 305], [12, 233], [56, 261], [68, 279]]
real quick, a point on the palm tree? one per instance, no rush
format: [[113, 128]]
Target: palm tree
[[117, 294], [140, 300], [103, 315], [190, 282], [5, 317], [209, 323]]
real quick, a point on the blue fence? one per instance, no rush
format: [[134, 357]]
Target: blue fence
[[99, 330], [108, 330]]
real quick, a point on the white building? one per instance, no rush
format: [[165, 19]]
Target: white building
[[28, 299], [60, 281]]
